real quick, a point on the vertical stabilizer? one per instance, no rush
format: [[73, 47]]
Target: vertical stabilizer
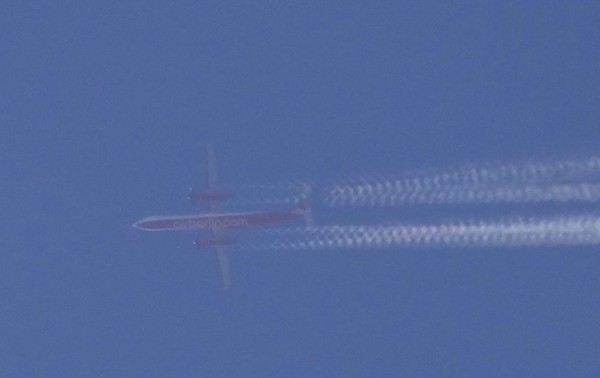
[[308, 217], [303, 208]]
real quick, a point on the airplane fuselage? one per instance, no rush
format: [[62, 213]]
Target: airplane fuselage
[[211, 221]]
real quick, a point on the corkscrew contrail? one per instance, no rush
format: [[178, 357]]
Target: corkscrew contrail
[[558, 181], [530, 182], [536, 232], [389, 193]]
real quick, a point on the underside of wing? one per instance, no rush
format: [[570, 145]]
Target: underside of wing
[[223, 257], [213, 179]]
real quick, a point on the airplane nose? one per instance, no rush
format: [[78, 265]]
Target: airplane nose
[[136, 225]]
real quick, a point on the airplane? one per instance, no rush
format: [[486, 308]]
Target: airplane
[[218, 221]]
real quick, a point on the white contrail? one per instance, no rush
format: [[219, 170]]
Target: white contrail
[[559, 181], [388, 195], [537, 172], [556, 231]]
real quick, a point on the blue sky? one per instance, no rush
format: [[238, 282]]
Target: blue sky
[[106, 108]]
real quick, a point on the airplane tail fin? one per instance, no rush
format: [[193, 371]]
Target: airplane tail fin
[[303, 208]]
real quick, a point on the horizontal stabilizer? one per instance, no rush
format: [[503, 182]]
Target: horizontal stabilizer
[[306, 211]]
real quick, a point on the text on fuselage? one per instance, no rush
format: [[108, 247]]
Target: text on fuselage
[[210, 223]]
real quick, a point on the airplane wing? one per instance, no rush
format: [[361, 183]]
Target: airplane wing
[[215, 206], [223, 257], [213, 179]]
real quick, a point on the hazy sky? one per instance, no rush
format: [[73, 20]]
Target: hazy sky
[[105, 110]]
